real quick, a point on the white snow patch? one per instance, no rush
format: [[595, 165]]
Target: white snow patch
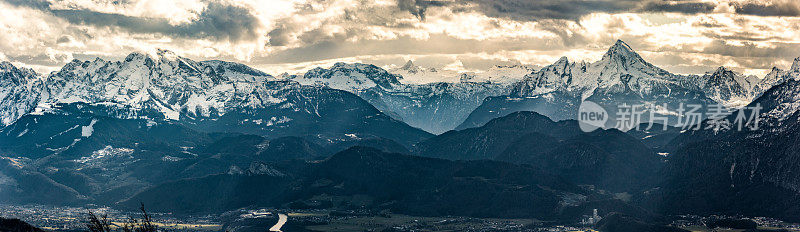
[[172, 115], [171, 159], [22, 133], [104, 154], [87, 131], [275, 121]]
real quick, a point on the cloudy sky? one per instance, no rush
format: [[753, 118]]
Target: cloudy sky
[[688, 36]]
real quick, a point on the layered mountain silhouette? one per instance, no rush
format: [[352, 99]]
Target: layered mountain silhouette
[[608, 159], [367, 178]]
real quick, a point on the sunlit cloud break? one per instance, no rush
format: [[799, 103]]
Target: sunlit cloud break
[[688, 37]]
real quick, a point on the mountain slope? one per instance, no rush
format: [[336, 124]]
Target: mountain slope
[[621, 76], [608, 159], [19, 92], [366, 178], [435, 107], [490, 140], [209, 95], [749, 172], [736, 90], [82, 155]]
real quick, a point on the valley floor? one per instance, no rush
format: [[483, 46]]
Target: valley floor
[[72, 218]]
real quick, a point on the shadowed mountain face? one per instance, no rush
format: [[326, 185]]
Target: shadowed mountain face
[[16, 225], [365, 177], [608, 159], [77, 153], [319, 114], [492, 139]]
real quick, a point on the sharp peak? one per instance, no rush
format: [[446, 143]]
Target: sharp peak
[[621, 43], [6, 65], [621, 48], [796, 64], [563, 59], [722, 69], [723, 72], [409, 65], [162, 51]]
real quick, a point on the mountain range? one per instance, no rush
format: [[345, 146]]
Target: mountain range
[[175, 87], [621, 76], [210, 95], [211, 136], [435, 107]]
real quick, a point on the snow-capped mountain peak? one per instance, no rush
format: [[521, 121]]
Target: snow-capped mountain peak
[[410, 67], [162, 82], [18, 75], [351, 76], [619, 70], [19, 92], [621, 59], [167, 55], [622, 51], [725, 76], [730, 88]]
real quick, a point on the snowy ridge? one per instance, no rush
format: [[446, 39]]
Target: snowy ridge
[[435, 107], [734, 89], [783, 100], [414, 74], [500, 74], [622, 70], [19, 92], [176, 87], [166, 83], [351, 77]]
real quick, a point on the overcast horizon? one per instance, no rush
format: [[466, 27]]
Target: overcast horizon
[[686, 37]]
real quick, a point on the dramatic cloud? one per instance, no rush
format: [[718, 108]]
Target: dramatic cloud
[[540, 9], [680, 7], [217, 20], [418, 7], [769, 8], [684, 36]]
